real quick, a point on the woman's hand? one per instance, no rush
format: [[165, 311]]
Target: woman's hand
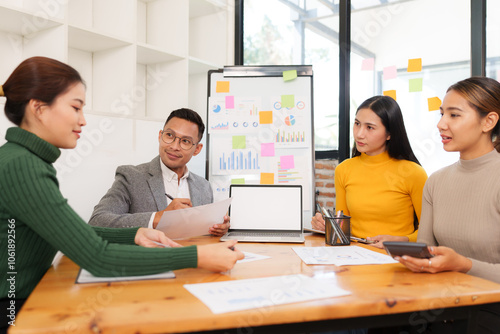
[[147, 237], [317, 222], [379, 239], [219, 230], [218, 257], [445, 259]]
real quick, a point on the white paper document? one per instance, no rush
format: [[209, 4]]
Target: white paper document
[[249, 257], [85, 277], [194, 221], [341, 255], [229, 296]]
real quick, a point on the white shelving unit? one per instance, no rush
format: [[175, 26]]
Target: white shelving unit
[[147, 51], [140, 60]]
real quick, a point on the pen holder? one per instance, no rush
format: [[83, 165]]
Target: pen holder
[[337, 230]]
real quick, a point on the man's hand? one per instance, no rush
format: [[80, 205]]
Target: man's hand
[[176, 204], [219, 230]]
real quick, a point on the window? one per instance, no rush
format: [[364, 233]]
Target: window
[[492, 37], [385, 36], [386, 39], [299, 33]]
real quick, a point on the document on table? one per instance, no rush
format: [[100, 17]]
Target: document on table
[[249, 257], [229, 296], [194, 221], [341, 255], [85, 277]]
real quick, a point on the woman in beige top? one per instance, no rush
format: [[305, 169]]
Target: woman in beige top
[[460, 219]]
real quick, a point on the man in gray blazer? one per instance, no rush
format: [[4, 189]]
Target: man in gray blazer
[[140, 194]]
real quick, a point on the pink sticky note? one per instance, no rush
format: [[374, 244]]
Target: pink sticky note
[[229, 102], [368, 64], [390, 72], [287, 162], [267, 150]]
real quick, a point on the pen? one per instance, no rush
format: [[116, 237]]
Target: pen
[[160, 244], [169, 196], [335, 226]]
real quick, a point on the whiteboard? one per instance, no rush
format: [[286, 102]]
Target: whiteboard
[[260, 130]]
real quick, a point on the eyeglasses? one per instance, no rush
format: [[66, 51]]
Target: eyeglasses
[[169, 137]]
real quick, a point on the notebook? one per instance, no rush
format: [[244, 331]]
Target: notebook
[[265, 213]]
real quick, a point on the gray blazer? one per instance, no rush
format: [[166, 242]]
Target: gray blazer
[[138, 191]]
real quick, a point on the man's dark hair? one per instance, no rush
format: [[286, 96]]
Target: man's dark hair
[[189, 115]]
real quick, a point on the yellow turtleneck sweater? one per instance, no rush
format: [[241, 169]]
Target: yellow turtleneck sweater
[[380, 194]]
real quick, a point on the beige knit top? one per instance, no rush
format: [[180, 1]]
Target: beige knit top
[[461, 210]]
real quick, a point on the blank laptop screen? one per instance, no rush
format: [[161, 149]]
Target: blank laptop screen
[[266, 207]]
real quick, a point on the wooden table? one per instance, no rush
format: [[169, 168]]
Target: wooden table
[[381, 295]]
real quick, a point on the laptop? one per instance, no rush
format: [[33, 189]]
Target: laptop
[[265, 213]]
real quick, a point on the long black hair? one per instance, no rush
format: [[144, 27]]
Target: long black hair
[[387, 109]]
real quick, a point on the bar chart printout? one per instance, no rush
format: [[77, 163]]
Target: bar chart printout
[[239, 161]]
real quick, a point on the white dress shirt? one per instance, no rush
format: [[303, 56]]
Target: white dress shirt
[[173, 186]]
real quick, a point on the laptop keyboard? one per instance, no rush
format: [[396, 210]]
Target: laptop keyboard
[[263, 234]]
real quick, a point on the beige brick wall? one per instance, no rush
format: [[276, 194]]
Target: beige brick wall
[[325, 170]]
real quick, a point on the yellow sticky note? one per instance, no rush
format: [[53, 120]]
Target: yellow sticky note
[[391, 93], [289, 75], [222, 87], [237, 181], [239, 142], [287, 101], [434, 103], [266, 178], [415, 85], [265, 117], [415, 65]]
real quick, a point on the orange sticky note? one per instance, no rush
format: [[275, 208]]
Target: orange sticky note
[[265, 117], [391, 93], [222, 87], [434, 103], [266, 178], [415, 65]]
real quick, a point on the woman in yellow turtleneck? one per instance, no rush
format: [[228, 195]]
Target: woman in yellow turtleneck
[[381, 186]]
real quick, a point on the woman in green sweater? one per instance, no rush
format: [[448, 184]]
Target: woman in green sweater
[[44, 98]]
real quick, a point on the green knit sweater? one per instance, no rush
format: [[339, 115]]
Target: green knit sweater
[[36, 221]]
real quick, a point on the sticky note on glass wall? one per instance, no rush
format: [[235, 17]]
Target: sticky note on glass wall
[[287, 101], [415, 85], [239, 142], [391, 93], [238, 181], [265, 117], [415, 65], [390, 72], [222, 87], [287, 162], [434, 103], [267, 149], [229, 102], [289, 75], [266, 178], [368, 64]]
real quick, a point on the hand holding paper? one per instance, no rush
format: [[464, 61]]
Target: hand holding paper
[[193, 221]]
